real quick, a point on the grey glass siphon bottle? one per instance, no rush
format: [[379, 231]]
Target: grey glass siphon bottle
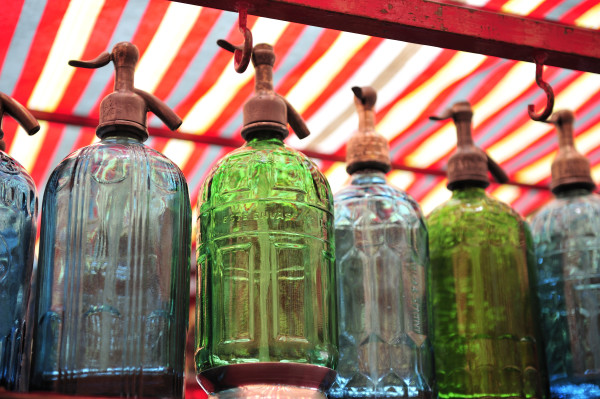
[[381, 259], [18, 217], [485, 327], [112, 299], [266, 311], [566, 233]]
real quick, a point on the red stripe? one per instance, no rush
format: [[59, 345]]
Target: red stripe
[[343, 75], [98, 42], [289, 36], [11, 11], [325, 40], [47, 152], [188, 50], [570, 16], [210, 75], [546, 6], [495, 5], [39, 49]]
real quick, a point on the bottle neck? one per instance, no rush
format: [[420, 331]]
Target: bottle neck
[[368, 177], [572, 191], [121, 137], [264, 136], [468, 192]]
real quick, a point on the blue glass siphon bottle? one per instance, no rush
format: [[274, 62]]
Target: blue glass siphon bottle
[[381, 258], [18, 215], [566, 233], [112, 299]]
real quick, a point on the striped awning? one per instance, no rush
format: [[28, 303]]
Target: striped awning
[[315, 69]]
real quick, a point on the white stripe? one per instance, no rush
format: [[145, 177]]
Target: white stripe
[[71, 39], [165, 45], [320, 74], [343, 98]]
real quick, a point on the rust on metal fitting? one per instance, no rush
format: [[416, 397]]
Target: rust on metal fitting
[[19, 113], [366, 149], [569, 168], [469, 163], [267, 109], [125, 109]]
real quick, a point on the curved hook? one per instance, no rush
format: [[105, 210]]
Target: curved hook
[[243, 52], [539, 68]]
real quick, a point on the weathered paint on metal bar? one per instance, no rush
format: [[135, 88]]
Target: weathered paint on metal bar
[[441, 24]]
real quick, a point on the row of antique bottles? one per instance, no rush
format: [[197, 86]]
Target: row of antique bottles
[[110, 310]]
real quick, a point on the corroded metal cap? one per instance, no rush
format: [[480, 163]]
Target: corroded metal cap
[[569, 167], [366, 149], [267, 110], [469, 163], [125, 109], [19, 113]]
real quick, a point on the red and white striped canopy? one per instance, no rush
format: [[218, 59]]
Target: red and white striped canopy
[[181, 64]]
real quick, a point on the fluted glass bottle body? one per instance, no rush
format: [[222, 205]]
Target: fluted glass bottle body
[[113, 277], [485, 328], [566, 233], [381, 257], [266, 291], [18, 214]]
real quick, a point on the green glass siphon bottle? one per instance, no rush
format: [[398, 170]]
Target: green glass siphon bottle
[[381, 258], [266, 305], [485, 328], [566, 233]]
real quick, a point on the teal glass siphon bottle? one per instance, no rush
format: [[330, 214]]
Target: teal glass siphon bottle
[[18, 215], [381, 258], [113, 277], [566, 233], [485, 327], [266, 311]]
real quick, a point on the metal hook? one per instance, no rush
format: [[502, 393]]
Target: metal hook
[[243, 52], [539, 68]]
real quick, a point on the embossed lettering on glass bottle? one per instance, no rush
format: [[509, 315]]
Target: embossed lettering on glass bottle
[[266, 293], [566, 232], [113, 277], [381, 258], [18, 214], [485, 327]]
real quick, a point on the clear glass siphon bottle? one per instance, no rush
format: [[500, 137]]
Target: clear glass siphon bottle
[[266, 310], [485, 328], [18, 215], [113, 277], [381, 257], [566, 233]]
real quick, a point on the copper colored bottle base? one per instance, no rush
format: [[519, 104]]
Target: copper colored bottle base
[[291, 380]]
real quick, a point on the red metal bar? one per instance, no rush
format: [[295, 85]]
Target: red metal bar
[[213, 139], [440, 24]]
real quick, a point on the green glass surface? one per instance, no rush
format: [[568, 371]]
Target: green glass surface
[[485, 329], [266, 291]]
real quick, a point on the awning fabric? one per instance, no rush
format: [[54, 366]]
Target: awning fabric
[[315, 69]]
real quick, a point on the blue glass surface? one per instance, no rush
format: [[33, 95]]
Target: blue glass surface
[[567, 236], [18, 214], [381, 260]]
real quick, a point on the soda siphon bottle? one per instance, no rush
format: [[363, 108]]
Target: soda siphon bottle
[[485, 328], [113, 276], [566, 233], [266, 306], [381, 258], [18, 215]]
